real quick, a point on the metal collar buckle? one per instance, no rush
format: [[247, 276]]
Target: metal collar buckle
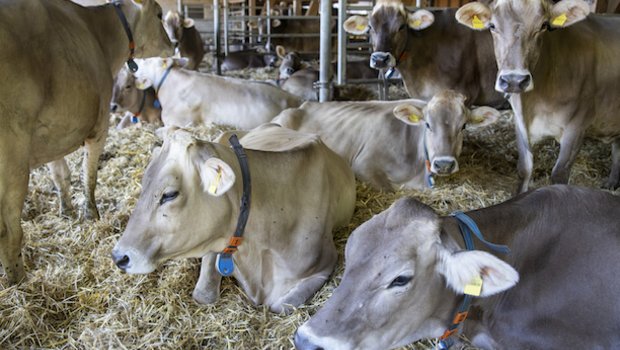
[[132, 45]]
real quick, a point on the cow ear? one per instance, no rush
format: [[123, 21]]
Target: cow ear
[[180, 61], [356, 25], [188, 23], [483, 116], [217, 176], [474, 15], [143, 83], [568, 12], [476, 273], [409, 114], [280, 51], [421, 19]]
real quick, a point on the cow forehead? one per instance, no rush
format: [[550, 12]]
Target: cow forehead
[[520, 9], [396, 5], [446, 106]]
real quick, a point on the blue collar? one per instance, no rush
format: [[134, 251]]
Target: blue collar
[[467, 226], [156, 103]]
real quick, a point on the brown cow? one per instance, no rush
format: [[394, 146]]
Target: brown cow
[[431, 52], [185, 37], [562, 72], [56, 98]]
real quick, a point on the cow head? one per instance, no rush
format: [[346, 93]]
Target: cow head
[[517, 27], [145, 18], [401, 283], [445, 117], [175, 23], [183, 209], [151, 70], [291, 62], [388, 26], [125, 95]]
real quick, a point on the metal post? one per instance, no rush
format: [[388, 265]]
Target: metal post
[[342, 43], [216, 36], [179, 6], [268, 24], [325, 54], [225, 27]]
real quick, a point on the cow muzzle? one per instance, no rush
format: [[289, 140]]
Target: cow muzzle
[[381, 60], [444, 166], [121, 260], [514, 82], [303, 343], [113, 107]]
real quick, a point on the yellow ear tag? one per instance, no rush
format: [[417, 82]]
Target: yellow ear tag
[[215, 184], [477, 23], [474, 287], [417, 23], [360, 27], [414, 118], [138, 1], [559, 20]]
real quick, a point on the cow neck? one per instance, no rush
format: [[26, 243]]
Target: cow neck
[[402, 56], [467, 227], [132, 45], [157, 103], [428, 175], [134, 118], [224, 262]]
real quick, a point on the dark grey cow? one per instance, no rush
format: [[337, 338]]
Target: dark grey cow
[[406, 272], [563, 83], [186, 38], [249, 58], [431, 52]]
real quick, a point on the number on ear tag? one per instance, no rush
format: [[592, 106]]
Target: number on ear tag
[[477, 23], [474, 287], [559, 20]]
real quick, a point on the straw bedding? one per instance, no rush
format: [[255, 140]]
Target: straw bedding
[[74, 296]]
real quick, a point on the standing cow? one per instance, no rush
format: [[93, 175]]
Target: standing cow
[[192, 98], [407, 271], [56, 98], [431, 52], [562, 72], [185, 37], [393, 143], [190, 203]]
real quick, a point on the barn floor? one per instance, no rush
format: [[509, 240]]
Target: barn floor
[[74, 297]]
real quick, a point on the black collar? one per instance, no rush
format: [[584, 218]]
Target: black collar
[[224, 263], [132, 45]]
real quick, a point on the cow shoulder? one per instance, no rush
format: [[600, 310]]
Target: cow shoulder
[[274, 138]]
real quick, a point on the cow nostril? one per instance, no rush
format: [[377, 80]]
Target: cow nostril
[[525, 81], [290, 71], [113, 107], [444, 166], [122, 261]]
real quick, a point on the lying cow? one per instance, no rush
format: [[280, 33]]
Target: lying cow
[[55, 98], [189, 97], [407, 270], [575, 70], [127, 98], [388, 143], [185, 37], [300, 191], [431, 51], [248, 58], [299, 78]]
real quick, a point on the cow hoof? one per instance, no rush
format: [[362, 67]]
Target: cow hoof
[[205, 297], [91, 214], [67, 212], [610, 184]]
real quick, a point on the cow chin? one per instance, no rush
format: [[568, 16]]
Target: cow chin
[[305, 339]]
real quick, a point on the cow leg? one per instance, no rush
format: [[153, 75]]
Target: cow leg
[[207, 289], [92, 150], [613, 181], [301, 292], [62, 180], [13, 188], [570, 143], [525, 164]]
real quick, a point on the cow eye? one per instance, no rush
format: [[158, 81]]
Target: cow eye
[[159, 15], [428, 126], [464, 126], [168, 196], [491, 26], [400, 281], [544, 26]]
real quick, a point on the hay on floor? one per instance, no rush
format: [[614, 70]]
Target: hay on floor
[[74, 296]]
